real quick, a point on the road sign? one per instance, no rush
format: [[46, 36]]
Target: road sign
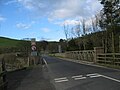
[[33, 43], [34, 53], [33, 48]]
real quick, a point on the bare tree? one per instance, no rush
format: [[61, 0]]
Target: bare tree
[[83, 23], [78, 29], [95, 23], [65, 31]]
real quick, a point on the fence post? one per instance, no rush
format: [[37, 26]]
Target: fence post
[[113, 58], [28, 62], [97, 51], [4, 76], [95, 56]]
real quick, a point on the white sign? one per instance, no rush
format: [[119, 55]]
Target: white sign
[[33, 43], [34, 53], [33, 48]]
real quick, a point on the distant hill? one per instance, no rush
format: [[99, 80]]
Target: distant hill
[[7, 42]]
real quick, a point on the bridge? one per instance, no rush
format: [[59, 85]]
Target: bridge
[[62, 74]]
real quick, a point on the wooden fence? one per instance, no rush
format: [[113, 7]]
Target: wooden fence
[[87, 55], [14, 62], [92, 56], [3, 80], [10, 62], [97, 56], [109, 58]]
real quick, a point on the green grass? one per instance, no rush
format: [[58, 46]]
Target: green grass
[[6, 42]]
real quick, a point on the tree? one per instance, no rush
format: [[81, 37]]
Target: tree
[[84, 29], [43, 45], [110, 11], [66, 31], [63, 44], [95, 23], [25, 47], [53, 47], [76, 30], [72, 45], [110, 19]]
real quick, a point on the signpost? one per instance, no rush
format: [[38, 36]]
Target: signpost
[[34, 58], [33, 47]]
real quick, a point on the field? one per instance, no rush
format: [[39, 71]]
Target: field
[[6, 42]]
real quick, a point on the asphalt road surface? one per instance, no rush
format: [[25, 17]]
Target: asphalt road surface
[[66, 75]]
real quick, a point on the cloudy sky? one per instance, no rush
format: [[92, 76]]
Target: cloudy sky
[[42, 19]]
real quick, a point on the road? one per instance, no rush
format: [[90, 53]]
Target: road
[[28, 79], [66, 75]]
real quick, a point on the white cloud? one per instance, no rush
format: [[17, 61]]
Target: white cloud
[[68, 22], [67, 10], [32, 4], [43, 38], [23, 26], [2, 19], [10, 2], [61, 9], [46, 30], [72, 22]]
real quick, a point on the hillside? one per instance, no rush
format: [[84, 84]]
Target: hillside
[[7, 42]]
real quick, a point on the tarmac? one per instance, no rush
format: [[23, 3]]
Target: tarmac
[[29, 79]]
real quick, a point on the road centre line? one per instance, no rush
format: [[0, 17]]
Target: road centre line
[[62, 81], [60, 78], [77, 76], [80, 77], [94, 74]]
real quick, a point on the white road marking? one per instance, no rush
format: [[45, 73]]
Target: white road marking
[[62, 81], [113, 79], [95, 76], [77, 76], [45, 62], [60, 78], [92, 74], [80, 78]]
